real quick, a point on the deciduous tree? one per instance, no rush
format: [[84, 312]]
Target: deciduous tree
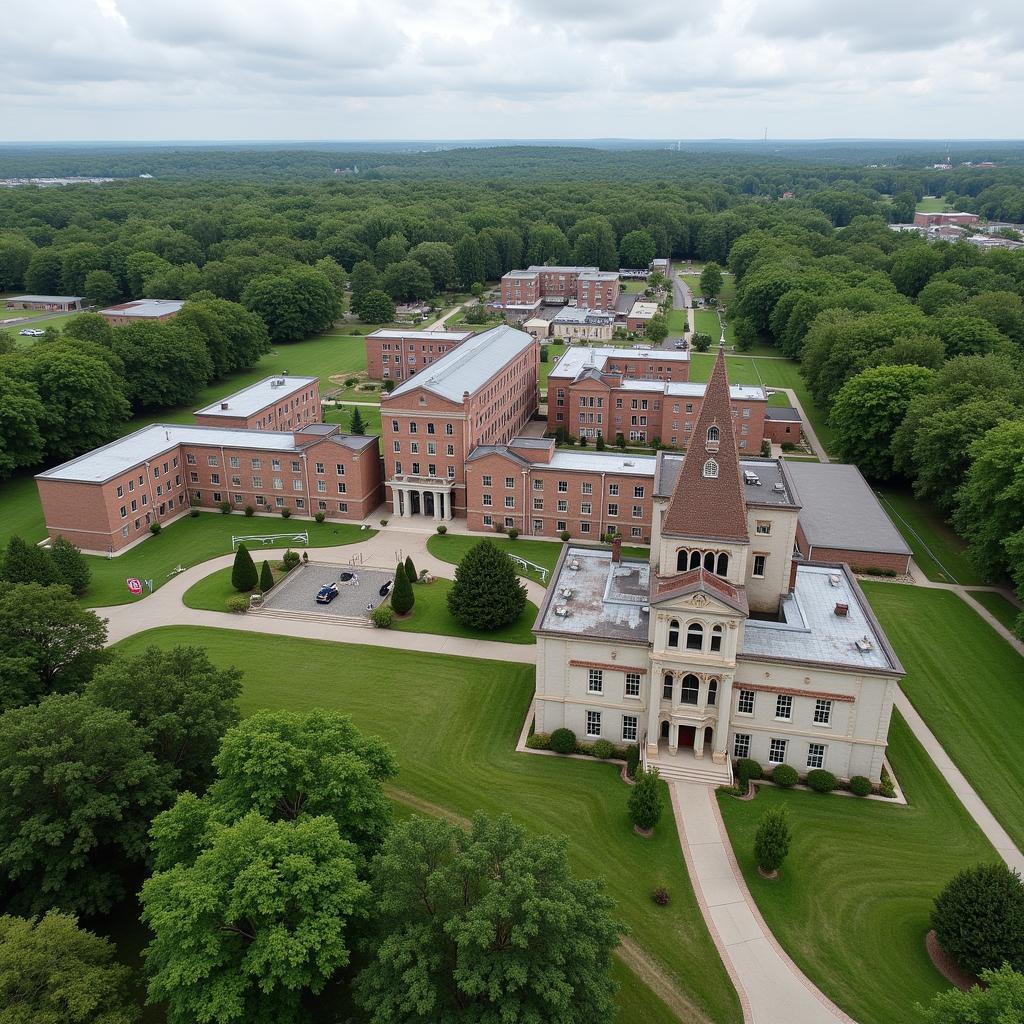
[[771, 841], [645, 799], [487, 594], [711, 280], [374, 307], [998, 1000]]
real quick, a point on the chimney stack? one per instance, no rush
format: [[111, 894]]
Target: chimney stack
[[617, 549], [842, 610]]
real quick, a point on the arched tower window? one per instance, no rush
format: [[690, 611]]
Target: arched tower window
[[689, 692], [673, 633], [694, 559], [711, 469], [709, 561], [713, 434], [716, 638], [682, 561], [694, 637], [722, 569], [712, 692], [666, 687]]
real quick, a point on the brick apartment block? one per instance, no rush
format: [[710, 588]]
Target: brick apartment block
[[397, 355]]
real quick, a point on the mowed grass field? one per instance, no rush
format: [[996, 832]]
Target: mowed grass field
[[998, 606], [932, 204], [967, 683], [852, 903], [453, 724]]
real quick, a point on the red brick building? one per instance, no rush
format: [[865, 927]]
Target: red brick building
[[589, 287], [481, 393], [927, 220], [397, 355], [141, 309], [274, 403], [106, 499], [782, 424]]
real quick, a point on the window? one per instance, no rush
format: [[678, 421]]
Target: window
[[449, 429], [215, 478], [595, 681], [124, 512], [190, 459], [488, 520], [722, 566], [487, 480], [120, 492], [613, 510], [711, 469], [538, 526], [510, 482], [666, 687], [538, 484], [741, 745], [278, 483], [211, 460], [414, 447], [538, 504], [745, 703], [635, 531], [815, 755], [776, 751], [587, 489], [235, 462], [593, 723], [673, 633], [275, 464], [397, 447], [487, 501], [713, 435], [255, 463], [563, 505], [629, 728], [690, 689], [613, 490], [194, 477], [563, 486], [823, 712], [342, 506], [784, 707], [759, 561], [296, 485], [632, 684], [712, 692], [585, 508], [510, 501], [694, 637], [716, 639]]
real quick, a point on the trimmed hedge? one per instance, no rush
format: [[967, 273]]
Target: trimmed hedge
[[603, 749], [382, 616], [785, 775], [860, 786], [539, 741], [821, 781], [563, 741], [747, 768]]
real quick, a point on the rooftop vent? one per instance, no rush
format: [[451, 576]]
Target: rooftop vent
[[750, 477], [629, 462], [842, 610], [560, 609], [864, 644], [566, 592], [779, 488], [836, 580], [645, 610], [223, 405], [574, 564]]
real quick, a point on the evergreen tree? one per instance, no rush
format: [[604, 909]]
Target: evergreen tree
[[27, 563], [402, 597], [410, 570], [266, 577], [487, 593], [243, 573], [357, 425], [70, 566], [645, 799], [771, 842]]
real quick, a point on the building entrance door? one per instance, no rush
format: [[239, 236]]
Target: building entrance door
[[428, 503], [414, 502], [687, 733]]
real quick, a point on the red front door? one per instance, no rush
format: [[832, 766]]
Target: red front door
[[687, 734]]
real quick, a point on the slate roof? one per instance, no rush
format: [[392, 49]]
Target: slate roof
[[786, 413]]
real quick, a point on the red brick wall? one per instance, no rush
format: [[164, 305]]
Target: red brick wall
[[597, 294], [861, 559], [405, 356], [520, 290], [634, 368], [782, 431], [120, 319], [292, 413]]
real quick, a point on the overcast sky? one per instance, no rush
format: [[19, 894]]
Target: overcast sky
[[409, 69]]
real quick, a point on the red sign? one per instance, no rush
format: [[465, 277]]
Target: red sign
[[134, 585]]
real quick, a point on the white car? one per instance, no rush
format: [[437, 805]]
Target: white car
[[31, 332]]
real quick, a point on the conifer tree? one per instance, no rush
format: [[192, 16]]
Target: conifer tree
[[402, 597], [26, 563], [243, 574], [487, 593], [70, 566], [410, 570], [266, 577], [357, 424]]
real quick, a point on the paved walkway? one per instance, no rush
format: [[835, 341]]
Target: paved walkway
[[812, 438], [439, 323], [772, 989]]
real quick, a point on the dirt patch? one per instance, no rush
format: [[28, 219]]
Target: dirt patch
[[652, 975], [434, 810], [947, 966]]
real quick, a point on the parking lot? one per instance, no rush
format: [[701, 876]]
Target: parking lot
[[357, 596]]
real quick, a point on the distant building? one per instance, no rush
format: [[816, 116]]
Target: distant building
[[782, 424], [577, 323], [640, 315], [928, 220], [394, 354], [523, 291], [274, 403], [141, 310], [661, 266], [57, 303]]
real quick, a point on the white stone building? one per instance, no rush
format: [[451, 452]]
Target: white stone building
[[724, 645]]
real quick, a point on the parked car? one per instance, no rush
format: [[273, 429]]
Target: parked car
[[31, 332], [386, 589], [327, 593]]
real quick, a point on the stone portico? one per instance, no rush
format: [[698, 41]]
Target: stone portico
[[422, 496]]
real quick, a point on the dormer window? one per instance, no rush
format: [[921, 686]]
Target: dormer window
[[711, 469], [713, 435]]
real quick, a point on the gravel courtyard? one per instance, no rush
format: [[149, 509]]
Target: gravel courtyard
[[297, 591]]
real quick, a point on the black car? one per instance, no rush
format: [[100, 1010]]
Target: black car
[[327, 593]]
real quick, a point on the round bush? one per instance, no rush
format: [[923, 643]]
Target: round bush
[[538, 741], [860, 786], [194, 513], [382, 616], [238, 603], [785, 775], [225, 508], [979, 918], [821, 781], [660, 896], [603, 749], [748, 768], [513, 533], [563, 741], [249, 511], [155, 528], [286, 513], [291, 559], [564, 536], [320, 517], [441, 529]]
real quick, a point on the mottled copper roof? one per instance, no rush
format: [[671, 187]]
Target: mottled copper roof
[[663, 588], [703, 506]]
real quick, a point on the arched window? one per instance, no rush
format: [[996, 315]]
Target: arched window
[[666, 687], [673, 633], [682, 561], [694, 637], [723, 565], [690, 690], [709, 561], [713, 434], [712, 692], [716, 638], [711, 469], [694, 559]]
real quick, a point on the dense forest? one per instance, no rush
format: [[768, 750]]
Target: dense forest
[[913, 349]]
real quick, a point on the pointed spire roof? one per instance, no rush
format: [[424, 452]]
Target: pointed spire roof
[[708, 498]]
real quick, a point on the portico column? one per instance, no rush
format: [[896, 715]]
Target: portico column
[[406, 504], [720, 747], [448, 513], [437, 506], [653, 707], [698, 742]]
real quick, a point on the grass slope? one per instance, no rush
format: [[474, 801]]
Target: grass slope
[[998, 606], [852, 903], [20, 512], [965, 682], [453, 724]]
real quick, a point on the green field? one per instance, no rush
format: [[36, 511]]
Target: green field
[[965, 682], [20, 511], [189, 541], [555, 353], [677, 321], [852, 903], [932, 204], [453, 723], [939, 552], [342, 414], [998, 606]]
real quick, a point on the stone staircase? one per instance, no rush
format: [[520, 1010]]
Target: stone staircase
[[340, 620], [705, 772]]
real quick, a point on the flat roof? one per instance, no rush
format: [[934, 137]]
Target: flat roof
[[841, 511], [581, 315], [534, 268], [44, 298], [470, 366], [390, 333], [577, 357], [764, 482], [257, 396], [647, 309], [599, 275], [146, 307], [601, 462], [813, 632], [782, 412]]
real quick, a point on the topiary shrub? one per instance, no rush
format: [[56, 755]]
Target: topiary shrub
[[886, 787], [860, 786], [539, 741], [250, 511], [512, 533], [382, 617], [564, 536], [155, 528], [660, 896], [290, 560], [225, 508], [563, 741], [194, 513], [771, 842], [979, 918], [402, 597], [632, 759], [748, 769], [603, 749], [645, 800], [441, 529], [410, 570], [244, 576], [320, 517], [266, 577], [785, 775], [286, 513], [821, 781], [238, 604]]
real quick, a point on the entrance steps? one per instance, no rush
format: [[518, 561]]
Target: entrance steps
[[689, 769], [341, 620]]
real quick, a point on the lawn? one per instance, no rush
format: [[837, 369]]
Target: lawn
[[555, 353], [965, 682], [343, 414], [998, 606], [20, 512], [677, 321], [189, 541], [932, 204], [453, 723], [430, 615], [852, 903], [938, 551]]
